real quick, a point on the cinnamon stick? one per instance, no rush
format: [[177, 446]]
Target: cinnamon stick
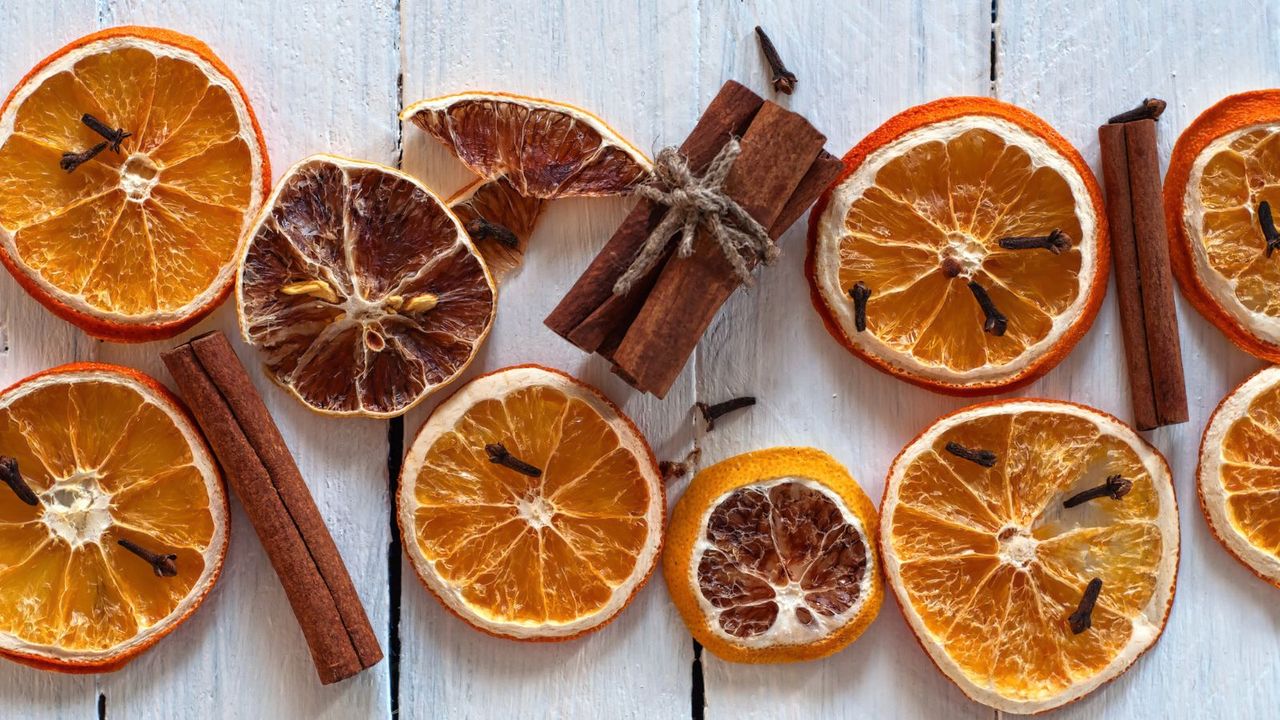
[[1144, 279], [778, 150], [729, 114], [264, 476]]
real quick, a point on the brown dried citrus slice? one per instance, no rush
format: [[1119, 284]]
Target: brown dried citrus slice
[[771, 557], [361, 288], [529, 147], [113, 526], [1001, 520], [530, 506]]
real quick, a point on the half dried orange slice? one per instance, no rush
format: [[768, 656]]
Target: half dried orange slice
[[530, 506], [130, 165], [772, 557], [1033, 548], [1221, 197], [361, 288], [113, 524], [963, 249], [1239, 474], [526, 150]]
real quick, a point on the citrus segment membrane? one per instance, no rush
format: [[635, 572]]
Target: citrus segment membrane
[[782, 561], [990, 563], [554, 541], [1239, 474], [972, 234], [361, 289], [499, 220], [137, 241], [120, 474]]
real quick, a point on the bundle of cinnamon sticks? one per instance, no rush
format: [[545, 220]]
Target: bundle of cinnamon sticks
[[649, 332]]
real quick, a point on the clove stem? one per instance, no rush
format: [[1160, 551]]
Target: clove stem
[[1055, 242], [1149, 109], [996, 323], [985, 458], [482, 229], [1268, 224], [784, 81], [1082, 618], [115, 137], [499, 455], [11, 476], [163, 565], [860, 294], [1115, 488], [72, 160], [711, 413]]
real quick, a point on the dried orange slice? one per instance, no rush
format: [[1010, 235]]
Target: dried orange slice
[[1222, 180], [526, 150], [113, 524], [530, 506], [772, 558], [1239, 474], [361, 288], [131, 238], [963, 248], [1033, 548]]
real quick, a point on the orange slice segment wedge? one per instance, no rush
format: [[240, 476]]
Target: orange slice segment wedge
[[962, 249], [361, 288], [771, 557], [996, 523], [525, 150], [138, 240], [113, 518], [1222, 180], [1239, 474], [530, 506]]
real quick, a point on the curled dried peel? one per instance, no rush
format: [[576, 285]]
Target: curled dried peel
[[989, 564], [361, 289]]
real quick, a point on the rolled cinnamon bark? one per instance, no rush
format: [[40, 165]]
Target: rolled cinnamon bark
[[278, 503]]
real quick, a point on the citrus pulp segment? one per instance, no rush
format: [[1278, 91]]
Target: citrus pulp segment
[[998, 519], [771, 557], [974, 234], [1222, 180], [136, 238], [361, 288], [111, 460], [1239, 474], [530, 506]]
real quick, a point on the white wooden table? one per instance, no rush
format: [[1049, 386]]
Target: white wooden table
[[332, 75]]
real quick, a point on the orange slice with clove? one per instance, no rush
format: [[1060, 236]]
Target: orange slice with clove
[[772, 558], [1033, 548], [130, 165], [526, 151], [530, 506], [1239, 474], [1222, 206], [962, 249], [113, 517], [361, 289]]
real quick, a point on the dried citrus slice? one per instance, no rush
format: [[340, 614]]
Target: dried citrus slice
[[1033, 548], [963, 248], [1222, 180], [113, 524], [771, 557], [361, 288], [131, 238], [1239, 474], [527, 150], [530, 506]]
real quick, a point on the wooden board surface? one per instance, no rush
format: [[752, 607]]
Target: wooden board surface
[[331, 76]]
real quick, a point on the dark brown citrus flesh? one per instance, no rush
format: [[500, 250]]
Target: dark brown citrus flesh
[[376, 248], [499, 203]]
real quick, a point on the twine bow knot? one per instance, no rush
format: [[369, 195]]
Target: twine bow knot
[[694, 202]]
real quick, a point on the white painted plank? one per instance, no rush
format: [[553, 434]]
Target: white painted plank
[[242, 654], [31, 340], [633, 67], [857, 64], [1075, 64]]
